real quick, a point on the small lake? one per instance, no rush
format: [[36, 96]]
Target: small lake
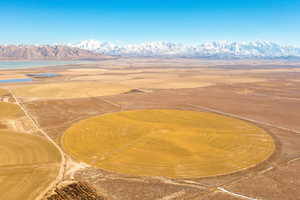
[[43, 75], [30, 64]]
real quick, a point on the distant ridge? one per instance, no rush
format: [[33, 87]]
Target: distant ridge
[[46, 52], [216, 49], [94, 50]]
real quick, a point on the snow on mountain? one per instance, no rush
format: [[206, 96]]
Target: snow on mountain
[[93, 45], [216, 49]]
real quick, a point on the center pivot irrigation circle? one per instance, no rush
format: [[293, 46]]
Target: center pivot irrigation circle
[[171, 143]]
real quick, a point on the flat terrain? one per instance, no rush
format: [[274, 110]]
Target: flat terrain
[[9, 111], [171, 143], [69, 90], [3, 92], [28, 164], [260, 95]]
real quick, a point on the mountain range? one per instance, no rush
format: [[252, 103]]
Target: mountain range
[[215, 49], [93, 49], [46, 52]]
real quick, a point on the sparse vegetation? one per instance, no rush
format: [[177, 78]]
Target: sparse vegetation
[[76, 191], [172, 143], [164, 143]]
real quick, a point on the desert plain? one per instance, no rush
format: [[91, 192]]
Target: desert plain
[[153, 129]]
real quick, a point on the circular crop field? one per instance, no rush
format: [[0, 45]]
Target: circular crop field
[[171, 143]]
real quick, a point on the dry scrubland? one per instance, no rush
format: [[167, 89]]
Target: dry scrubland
[[9, 111], [172, 143], [264, 91], [163, 78], [28, 164], [111, 77], [159, 78]]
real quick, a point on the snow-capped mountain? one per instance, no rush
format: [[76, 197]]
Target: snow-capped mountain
[[217, 49]]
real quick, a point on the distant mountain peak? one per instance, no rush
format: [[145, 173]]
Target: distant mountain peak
[[212, 49]]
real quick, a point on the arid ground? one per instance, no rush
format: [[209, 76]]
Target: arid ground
[[260, 95], [29, 163]]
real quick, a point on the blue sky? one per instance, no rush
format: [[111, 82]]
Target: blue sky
[[135, 21]]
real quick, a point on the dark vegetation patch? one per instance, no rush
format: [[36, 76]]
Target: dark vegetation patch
[[134, 91], [2, 126], [76, 191]]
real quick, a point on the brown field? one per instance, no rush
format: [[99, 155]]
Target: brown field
[[262, 94], [28, 164]]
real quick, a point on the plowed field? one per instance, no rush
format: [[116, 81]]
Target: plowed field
[[28, 164]]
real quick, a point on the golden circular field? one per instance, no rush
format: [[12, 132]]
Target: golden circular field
[[171, 143]]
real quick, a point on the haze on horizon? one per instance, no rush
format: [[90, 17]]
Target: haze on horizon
[[133, 21]]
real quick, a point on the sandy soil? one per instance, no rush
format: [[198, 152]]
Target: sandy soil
[[28, 163], [265, 92]]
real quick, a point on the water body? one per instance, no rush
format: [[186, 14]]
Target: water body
[[30, 64], [16, 80], [43, 75]]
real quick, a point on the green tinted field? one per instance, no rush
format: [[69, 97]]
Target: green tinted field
[[172, 143]]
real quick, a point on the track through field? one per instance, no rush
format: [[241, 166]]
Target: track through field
[[60, 157]]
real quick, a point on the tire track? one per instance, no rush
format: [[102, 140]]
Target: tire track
[[235, 194]]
